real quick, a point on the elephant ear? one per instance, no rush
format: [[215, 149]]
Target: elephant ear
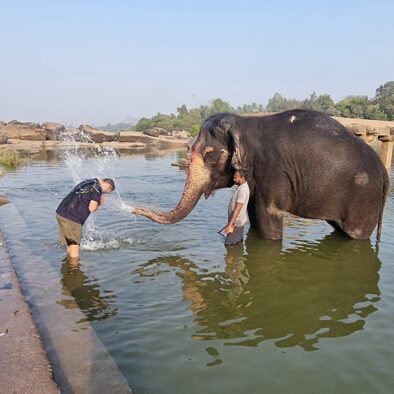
[[238, 160]]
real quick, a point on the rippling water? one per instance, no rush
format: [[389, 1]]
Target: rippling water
[[181, 313]]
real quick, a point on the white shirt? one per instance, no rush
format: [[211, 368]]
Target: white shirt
[[240, 194]]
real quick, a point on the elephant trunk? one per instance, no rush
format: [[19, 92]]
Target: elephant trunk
[[197, 180]]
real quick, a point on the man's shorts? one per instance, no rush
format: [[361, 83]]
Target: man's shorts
[[236, 236], [70, 232]]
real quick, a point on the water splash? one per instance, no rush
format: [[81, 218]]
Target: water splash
[[85, 160]]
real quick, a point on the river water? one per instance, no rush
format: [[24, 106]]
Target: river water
[[180, 313]]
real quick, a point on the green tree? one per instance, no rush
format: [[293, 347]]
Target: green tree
[[385, 98], [353, 106], [195, 130], [373, 112], [277, 103], [182, 110], [250, 108], [323, 103], [143, 124]]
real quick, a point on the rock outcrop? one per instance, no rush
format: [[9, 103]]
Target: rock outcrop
[[54, 130], [99, 136], [181, 134], [23, 131], [156, 132], [31, 131], [3, 138], [135, 136], [160, 132]]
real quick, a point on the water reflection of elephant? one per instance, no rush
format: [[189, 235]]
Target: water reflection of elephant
[[87, 296], [321, 289]]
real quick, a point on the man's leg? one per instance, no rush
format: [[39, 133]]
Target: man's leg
[[73, 251]]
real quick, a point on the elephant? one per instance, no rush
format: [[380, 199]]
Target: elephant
[[301, 162]]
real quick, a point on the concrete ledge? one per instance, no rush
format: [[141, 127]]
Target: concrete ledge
[[24, 367]]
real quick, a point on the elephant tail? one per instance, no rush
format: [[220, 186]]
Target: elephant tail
[[384, 196]]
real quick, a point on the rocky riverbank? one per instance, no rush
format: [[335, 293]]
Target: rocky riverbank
[[32, 137]]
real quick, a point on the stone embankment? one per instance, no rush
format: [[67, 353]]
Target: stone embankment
[[24, 366], [372, 131]]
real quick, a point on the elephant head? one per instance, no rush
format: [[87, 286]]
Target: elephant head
[[216, 154]]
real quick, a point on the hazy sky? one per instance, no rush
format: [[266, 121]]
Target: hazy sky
[[99, 62]]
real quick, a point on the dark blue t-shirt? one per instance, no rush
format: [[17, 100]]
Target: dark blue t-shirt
[[75, 206]]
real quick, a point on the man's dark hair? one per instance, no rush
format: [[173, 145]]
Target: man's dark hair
[[110, 182], [242, 173]]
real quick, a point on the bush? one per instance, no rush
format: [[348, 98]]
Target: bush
[[9, 158]]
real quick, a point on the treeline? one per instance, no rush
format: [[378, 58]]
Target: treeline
[[381, 107]]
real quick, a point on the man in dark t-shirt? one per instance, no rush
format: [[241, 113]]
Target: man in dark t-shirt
[[76, 207]]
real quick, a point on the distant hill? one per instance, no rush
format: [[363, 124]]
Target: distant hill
[[126, 124]]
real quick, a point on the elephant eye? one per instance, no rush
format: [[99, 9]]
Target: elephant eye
[[207, 151]]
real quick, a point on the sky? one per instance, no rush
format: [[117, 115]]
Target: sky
[[100, 62]]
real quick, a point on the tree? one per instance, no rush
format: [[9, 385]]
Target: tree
[[373, 112], [277, 103], [385, 99], [143, 124], [323, 103], [250, 108], [218, 105], [353, 106], [182, 111]]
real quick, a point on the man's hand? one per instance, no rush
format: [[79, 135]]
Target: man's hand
[[228, 229], [102, 200]]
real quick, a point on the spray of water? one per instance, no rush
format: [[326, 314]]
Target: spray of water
[[85, 160]]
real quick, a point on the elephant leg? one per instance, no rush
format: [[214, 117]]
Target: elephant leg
[[357, 228], [336, 226], [269, 220], [252, 212], [352, 229]]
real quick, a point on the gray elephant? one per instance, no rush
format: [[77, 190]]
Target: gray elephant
[[299, 161]]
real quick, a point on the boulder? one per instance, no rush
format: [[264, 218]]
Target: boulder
[[162, 131], [156, 132], [151, 132], [54, 130], [99, 136], [181, 134], [135, 136], [3, 138], [23, 131]]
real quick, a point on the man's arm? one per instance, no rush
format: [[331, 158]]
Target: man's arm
[[230, 226], [93, 205]]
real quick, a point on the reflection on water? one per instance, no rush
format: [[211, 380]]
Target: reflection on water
[[295, 297], [86, 294]]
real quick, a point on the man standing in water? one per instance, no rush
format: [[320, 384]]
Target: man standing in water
[[237, 210], [76, 207]]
